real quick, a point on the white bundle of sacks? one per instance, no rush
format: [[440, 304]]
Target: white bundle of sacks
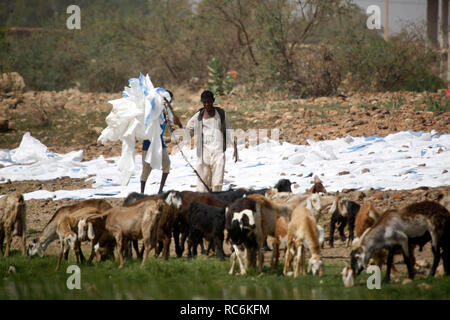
[[138, 115]]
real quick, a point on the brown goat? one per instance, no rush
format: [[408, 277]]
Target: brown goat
[[314, 202], [303, 233], [366, 217], [91, 229], [67, 230], [165, 222], [134, 222], [12, 220], [48, 234], [265, 216], [317, 187], [280, 238]]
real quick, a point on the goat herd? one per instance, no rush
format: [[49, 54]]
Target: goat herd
[[248, 217]]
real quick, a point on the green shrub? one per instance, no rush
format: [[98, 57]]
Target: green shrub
[[220, 82], [402, 63], [439, 104]]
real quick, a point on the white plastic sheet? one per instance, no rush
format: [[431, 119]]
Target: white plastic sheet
[[30, 150], [394, 162], [137, 116]]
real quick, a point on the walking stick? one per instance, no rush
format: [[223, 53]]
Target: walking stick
[[181, 151]]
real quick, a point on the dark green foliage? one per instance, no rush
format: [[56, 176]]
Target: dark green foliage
[[439, 104], [275, 45], [220, 82], [402, 63]]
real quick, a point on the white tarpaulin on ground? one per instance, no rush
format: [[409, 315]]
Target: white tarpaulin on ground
[[404, 160]]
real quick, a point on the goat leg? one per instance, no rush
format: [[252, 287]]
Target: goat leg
[[8, 243], [146, 252], [92, 255], [288, 256], [341, 229], [190, 244], [24, 249], [63, 251], [159, 248], [136, 249], [202, 247], [176, 238], [409, 264], [79, 253], [219, 248], [183, 240], [128, 251], [303, 260], [351, 231], [390, 259], [210, 246], [2, 237], [166, 245], [233, 258], [332, 227], [121, 243], [436, 257], [275, 254], [76, 250], [260, 259]]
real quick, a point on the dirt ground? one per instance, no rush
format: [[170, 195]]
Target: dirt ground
[[299, 120], [45, 114]]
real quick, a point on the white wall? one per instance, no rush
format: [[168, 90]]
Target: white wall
[[400, 11]]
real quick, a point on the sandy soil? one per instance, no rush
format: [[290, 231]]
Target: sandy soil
[[299, 119]]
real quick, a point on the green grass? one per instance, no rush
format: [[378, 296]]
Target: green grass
[[441, 104], [201, 278], [394, 102]]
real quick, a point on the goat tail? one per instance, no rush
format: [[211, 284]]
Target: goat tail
[[93, 216]]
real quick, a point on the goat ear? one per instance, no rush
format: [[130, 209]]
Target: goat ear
[[333, 207], [81, 231], [40, 251], [343, 207], [90, 233], [357, 242]]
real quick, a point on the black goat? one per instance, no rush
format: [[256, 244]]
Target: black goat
[[343, 212], [207, 222]]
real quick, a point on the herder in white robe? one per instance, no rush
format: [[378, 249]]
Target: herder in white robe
[[146, 168], [209, 125]]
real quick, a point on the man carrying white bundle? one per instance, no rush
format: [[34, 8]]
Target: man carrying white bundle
[[146, 168], [209, 125]]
